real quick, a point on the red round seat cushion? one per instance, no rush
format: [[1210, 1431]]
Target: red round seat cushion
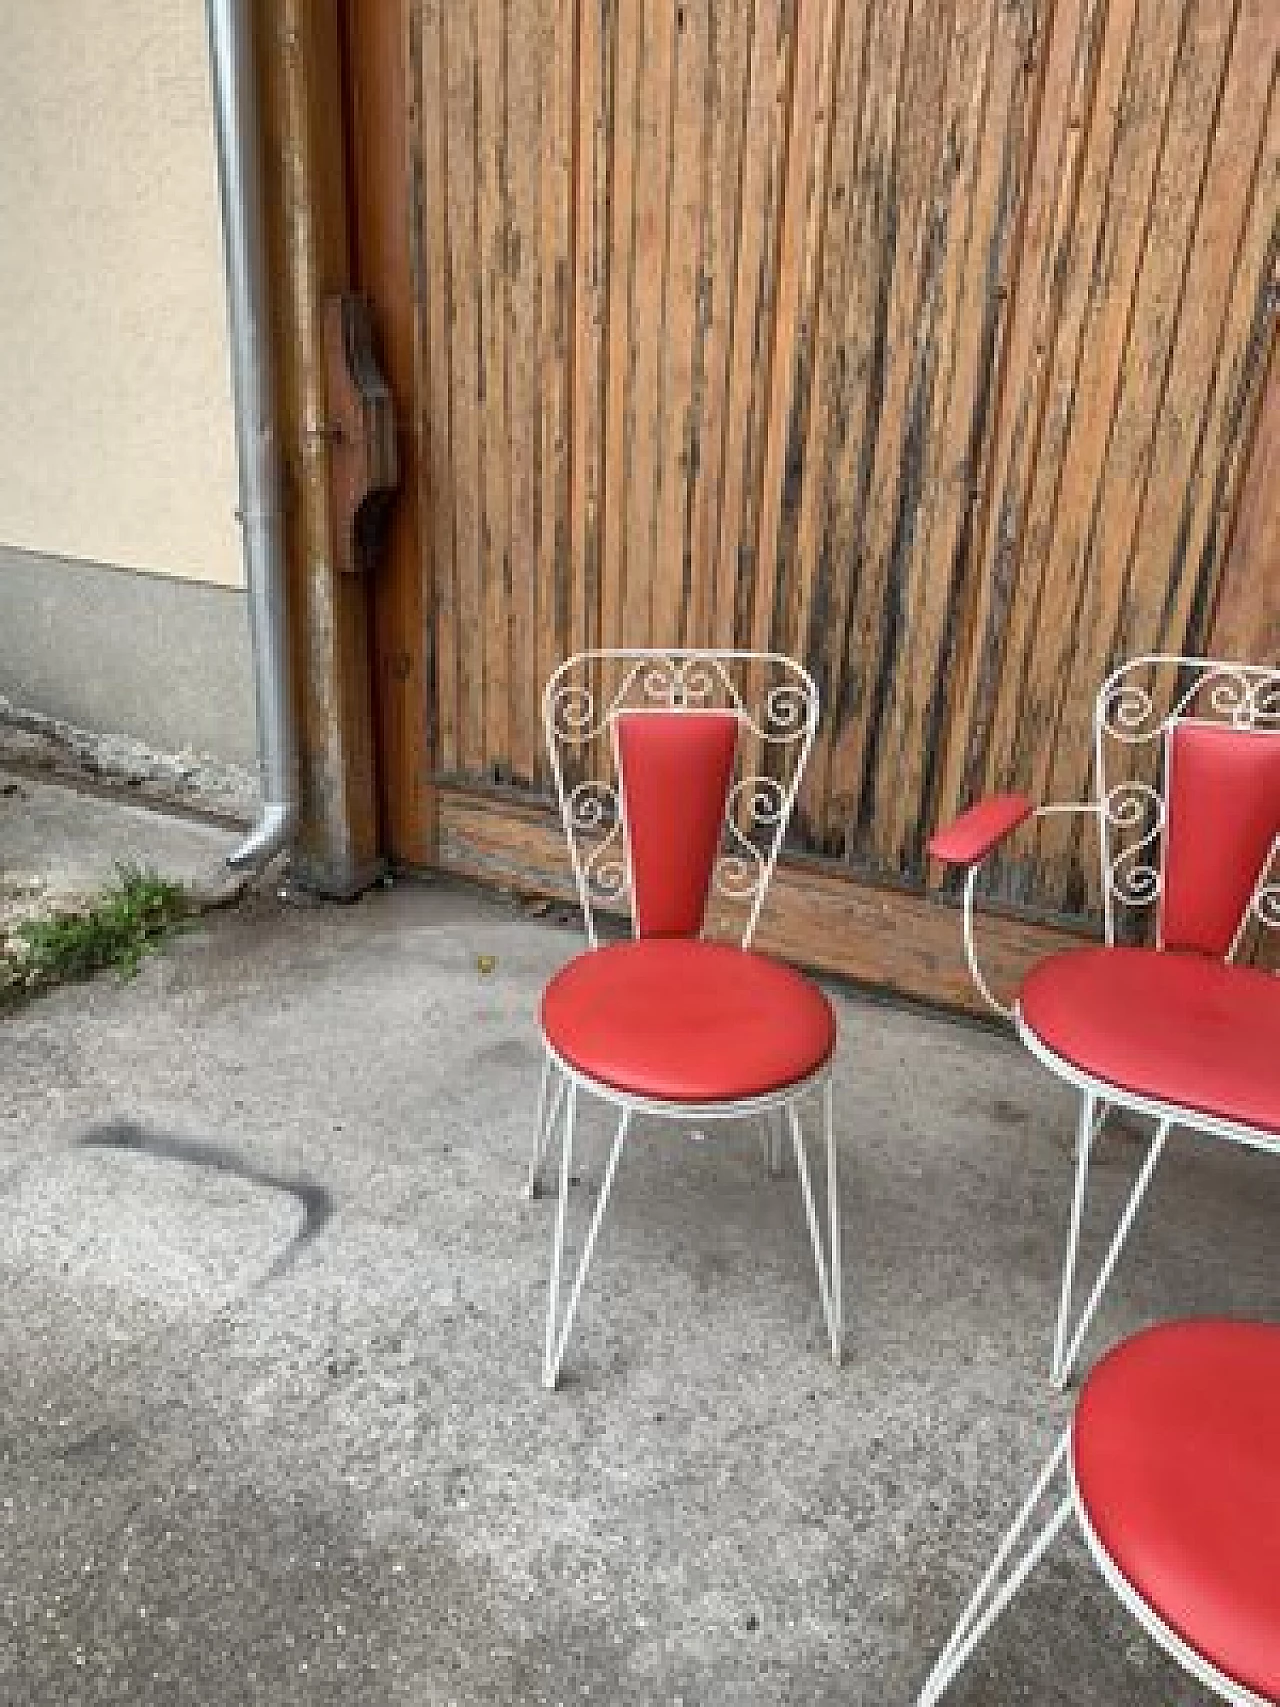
[[1176, 1455], [681, 1020], [1174, 1028]]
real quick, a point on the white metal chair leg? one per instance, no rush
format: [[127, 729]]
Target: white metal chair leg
[[833, 1217], [828, 1267], [550, 1098], [994, 1592], [557, 1250], [1103, 1110], [775, 1150], [1086, 1132], [1064, 1360], [777, 1147], [558, 1339]]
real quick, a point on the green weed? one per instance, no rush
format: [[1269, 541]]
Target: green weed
[[126, 922]]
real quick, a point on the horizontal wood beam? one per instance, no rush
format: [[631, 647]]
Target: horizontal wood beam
[[893, 939]]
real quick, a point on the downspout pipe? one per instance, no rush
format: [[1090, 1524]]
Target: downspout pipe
[[237, 123]]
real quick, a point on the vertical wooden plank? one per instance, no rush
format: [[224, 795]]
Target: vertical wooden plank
[[592, 263], [863, 354], [1247, 341], [1086, 258], [810, 574], [1205, 418], [917, 586], [1059, 127], [525, 76], [677, 451], [648, 330], [492, 215], [436, 367], [1246, 622], [728, 54], [1107, 323], [965, 319], [756, 261], [1158, 299], [462, 100], [621, 282], [801, 228], [894, 433], [560, 619], [1227, 269]]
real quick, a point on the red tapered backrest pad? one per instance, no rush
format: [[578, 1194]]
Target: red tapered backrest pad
[[1223, 803], [675, 768]]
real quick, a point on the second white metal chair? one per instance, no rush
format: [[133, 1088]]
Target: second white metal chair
[[1176, 1031]]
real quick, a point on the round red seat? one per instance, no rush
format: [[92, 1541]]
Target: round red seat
[[1184, 1029], [680, 1020], [1176, 1456]]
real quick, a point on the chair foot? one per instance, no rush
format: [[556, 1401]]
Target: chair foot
[[1002, 1580]]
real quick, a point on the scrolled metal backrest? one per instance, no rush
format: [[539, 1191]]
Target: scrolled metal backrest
[[776, 704], [1138, 709]]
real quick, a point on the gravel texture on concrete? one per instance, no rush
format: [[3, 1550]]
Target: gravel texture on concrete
[[271, 1307], [35, 743]]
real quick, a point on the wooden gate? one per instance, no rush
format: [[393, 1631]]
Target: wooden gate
[[928, 340]]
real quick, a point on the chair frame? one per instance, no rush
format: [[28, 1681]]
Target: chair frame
[[594, 817], [1006, 1575], [1134, 813]]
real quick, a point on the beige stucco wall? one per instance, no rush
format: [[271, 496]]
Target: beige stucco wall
[[116, 427]]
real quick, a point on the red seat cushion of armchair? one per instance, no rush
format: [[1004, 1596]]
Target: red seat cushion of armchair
[[1183, 1029], [680, 1020], [1176, 1455]]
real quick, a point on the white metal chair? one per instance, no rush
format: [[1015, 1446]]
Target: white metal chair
[[1177, 1030], [704, 752], [1169, 1470]]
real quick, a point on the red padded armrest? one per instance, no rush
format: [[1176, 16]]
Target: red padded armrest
[[975, 832]]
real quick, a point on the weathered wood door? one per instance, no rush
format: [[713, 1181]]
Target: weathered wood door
[[927, 340]]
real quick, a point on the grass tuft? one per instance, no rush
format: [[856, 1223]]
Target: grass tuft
[[123, 924]]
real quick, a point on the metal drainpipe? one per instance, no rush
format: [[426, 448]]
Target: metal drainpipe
[[235, 105]]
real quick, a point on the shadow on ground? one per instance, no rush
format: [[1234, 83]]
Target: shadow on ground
[[316, 1203]]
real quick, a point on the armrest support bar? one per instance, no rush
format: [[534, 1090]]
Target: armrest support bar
[[971, 952], [968, 841]]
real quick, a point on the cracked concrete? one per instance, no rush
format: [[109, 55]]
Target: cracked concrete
[[271, 1312]]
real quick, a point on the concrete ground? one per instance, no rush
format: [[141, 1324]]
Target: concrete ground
[[271, 1304], [60, 848]]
